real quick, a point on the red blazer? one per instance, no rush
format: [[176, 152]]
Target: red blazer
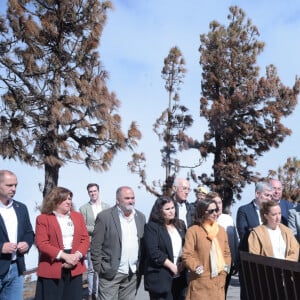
[[48, 238]]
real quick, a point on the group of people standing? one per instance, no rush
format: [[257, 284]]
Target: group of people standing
[[187, 253], [184, 251], [268, 226]]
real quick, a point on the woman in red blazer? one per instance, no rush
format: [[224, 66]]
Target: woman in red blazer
[[62, 240]]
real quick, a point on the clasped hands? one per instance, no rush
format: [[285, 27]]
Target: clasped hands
[[70, 260], [21, 247]]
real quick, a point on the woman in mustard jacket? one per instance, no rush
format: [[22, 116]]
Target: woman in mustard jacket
[[272, 238], [206, 254], [62, 240]]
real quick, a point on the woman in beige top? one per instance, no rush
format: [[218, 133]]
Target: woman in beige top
[[206, 254], [272, 238]]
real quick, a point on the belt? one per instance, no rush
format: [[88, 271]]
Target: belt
[[13, 261]]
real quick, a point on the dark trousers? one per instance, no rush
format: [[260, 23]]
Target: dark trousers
[[66, 288], [163, 296], [178, 291]]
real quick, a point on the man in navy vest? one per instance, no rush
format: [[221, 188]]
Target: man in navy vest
[[16, 238]]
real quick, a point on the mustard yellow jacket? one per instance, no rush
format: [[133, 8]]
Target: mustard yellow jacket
[[260, 243]]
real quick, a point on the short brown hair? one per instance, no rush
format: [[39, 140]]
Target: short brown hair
[[91, 185], [212, 195], [56, 196]]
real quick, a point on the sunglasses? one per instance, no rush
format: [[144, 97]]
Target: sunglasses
[[211, 211]]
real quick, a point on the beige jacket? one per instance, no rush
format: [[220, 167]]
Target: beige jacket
[[260, 243], [196, 253]]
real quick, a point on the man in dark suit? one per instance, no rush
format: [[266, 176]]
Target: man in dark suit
[[116, 247], [184, 210], [247, 218], [248, 215], [16, 238], [284, 204]]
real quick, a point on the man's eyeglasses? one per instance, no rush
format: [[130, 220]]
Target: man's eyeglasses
[[211, 211], [185, 188], [129, 198]]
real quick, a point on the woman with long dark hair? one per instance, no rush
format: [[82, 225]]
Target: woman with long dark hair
[[164, 274]]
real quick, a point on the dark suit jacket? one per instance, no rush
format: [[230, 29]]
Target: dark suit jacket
[[106, 242], [190, 212], [285, 207], [158, 247], [246, 220], [25, 234], [49, 242], [294, 221]]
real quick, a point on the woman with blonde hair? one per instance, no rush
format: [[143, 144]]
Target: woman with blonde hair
[[272, 238], [206, 254]]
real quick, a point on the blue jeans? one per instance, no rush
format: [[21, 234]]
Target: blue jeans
[[92, 276], [11, 285]]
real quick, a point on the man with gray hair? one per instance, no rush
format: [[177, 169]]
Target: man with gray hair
[[184, 210], [116, 247], [248, 217], [285, 205]]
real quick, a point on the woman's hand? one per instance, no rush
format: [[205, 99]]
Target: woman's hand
[[171, 266], [199, 270], [67, 266], [174, 269], [71, 259]]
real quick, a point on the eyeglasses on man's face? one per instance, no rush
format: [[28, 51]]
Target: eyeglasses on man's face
[[129, 198], [211, 211], [185, 188]]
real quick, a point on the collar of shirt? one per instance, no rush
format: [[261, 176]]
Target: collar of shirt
[[255, 205], [181, 204], [9, 205], [58, 215]]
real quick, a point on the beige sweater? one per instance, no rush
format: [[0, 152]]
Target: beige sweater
[[260, 243]]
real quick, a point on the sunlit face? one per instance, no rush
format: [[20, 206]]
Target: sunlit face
[[200, 196], [168, 212], [219, 202], [277, 189], [8, 187], [211, 213], [273, 217], [264, 196], [93, 193], [182, 190], [65, 206], [126, 201]]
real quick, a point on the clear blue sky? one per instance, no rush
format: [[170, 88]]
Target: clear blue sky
[[136, 39]]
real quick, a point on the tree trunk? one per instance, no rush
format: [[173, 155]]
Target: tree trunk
[[51, 178]]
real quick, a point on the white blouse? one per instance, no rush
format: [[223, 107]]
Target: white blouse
[[278, 243], [176, 244]]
